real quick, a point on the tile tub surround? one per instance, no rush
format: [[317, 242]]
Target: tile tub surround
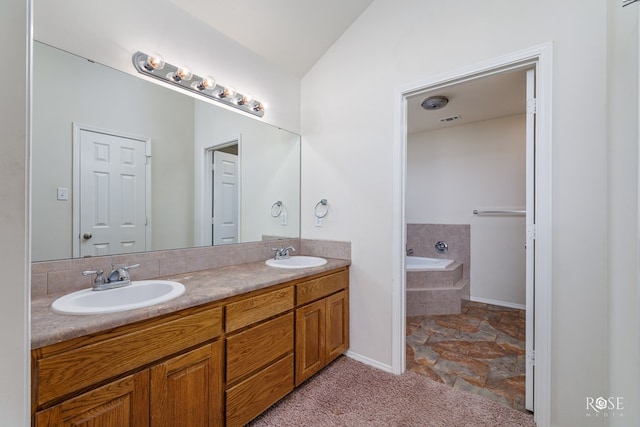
[[64, 276], [436, 292], [423, 237]]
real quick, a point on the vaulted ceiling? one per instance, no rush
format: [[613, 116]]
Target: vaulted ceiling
[[291, 33]]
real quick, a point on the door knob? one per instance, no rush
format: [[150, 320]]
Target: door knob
[[87, 236]]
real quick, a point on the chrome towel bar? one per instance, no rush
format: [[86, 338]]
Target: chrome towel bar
[[500, 212]]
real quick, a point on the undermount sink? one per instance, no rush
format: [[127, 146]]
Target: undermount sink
[[141, 293], [296, 262]]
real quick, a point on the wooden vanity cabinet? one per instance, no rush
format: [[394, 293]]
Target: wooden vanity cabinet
[[322, 326], [218, 364], [165, 371]]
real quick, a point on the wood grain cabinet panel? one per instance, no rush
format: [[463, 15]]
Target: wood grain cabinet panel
[[252, 396], [122, 403], [321, 287], [310, 340], [255, 348], [337, 339], [260, 307], [187, 390], [66, 372]]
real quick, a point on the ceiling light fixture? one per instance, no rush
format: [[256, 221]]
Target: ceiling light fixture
[[435, 102], [204, 86]]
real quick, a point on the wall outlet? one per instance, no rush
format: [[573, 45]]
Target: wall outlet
[[318, 222]]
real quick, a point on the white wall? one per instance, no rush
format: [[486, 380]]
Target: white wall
[[451, 172], [119, 103], [269, 169], [14, 213], [623, 339], [349, 146], [110, 32]]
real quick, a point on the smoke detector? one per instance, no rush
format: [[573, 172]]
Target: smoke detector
[[435, 102]]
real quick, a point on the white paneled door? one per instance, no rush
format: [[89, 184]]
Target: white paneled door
[[112, 190], [225, 198]]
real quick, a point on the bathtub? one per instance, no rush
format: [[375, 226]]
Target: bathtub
[[416, 263]]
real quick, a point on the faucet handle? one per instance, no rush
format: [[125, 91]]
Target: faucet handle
[[99, 280], [124, 271]]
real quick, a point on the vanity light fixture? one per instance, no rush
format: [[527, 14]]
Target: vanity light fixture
[[151, 65]]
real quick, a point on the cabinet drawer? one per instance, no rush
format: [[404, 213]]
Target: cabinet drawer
[[252, 396], [257, 347], [67, 372], [254, 309], [321, 287]]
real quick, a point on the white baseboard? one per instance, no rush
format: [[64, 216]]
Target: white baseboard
[[368, 361], [500, 303]]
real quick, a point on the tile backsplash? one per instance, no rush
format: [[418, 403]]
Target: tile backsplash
[[63, 276]]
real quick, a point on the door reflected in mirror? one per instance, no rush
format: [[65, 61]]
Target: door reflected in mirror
[[188, 198]]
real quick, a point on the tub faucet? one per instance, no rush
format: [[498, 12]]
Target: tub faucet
[[282, 252]]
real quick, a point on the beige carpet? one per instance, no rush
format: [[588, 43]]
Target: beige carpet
[[349, 393]]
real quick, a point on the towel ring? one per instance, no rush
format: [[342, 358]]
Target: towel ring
[[321, 209], [276, 209]]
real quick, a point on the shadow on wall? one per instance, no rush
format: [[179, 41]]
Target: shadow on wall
[[422, 238]]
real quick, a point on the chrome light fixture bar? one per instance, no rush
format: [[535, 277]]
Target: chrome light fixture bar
[[154, 66]]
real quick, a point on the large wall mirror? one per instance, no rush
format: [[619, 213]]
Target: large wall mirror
[[121, 164]]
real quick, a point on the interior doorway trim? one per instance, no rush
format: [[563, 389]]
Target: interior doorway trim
[[541, 56]]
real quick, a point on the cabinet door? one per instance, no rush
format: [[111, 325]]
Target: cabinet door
[[310, 340], [187, 390], [124, 402], [337, 325]]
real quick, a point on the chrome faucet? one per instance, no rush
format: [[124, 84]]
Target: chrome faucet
[[117, 278], [282, 252]]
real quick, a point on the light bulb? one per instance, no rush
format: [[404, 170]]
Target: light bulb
[[153, 62], [245, 99], [227, 92], [258, 106], [206, 83], [182, 73]]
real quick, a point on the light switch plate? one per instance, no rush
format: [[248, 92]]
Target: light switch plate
[[63, 193]]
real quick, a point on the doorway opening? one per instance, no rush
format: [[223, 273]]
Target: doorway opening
[[466, 201], [222, 194], [538, 208]]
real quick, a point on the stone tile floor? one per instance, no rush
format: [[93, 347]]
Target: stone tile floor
[[481, 350]]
